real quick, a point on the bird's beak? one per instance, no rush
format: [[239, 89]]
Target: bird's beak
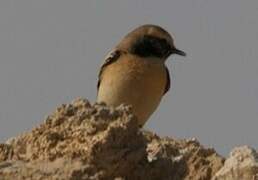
[[178, 52]]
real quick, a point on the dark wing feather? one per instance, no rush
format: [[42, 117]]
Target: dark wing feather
[[168, 82], [111, 57]]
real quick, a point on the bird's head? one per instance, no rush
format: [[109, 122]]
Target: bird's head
[[150, 41]]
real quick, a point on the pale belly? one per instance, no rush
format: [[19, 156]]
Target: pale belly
[[138, 83]]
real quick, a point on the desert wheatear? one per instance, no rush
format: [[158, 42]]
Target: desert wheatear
[[135, 73]]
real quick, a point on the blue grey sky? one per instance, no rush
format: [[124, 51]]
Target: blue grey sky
[[51, 50]]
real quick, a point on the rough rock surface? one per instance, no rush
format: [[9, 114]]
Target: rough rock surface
[[84, 141], [242, 164]]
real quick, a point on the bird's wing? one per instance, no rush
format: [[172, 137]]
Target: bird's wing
[[110, 58], [168, 82]]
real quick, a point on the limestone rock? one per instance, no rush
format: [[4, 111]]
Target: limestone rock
[[84, 141], [242, 164]]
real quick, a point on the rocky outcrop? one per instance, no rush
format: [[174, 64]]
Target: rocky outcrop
[[84, 141], [242, 164]]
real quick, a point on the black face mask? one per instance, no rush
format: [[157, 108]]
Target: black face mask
[[148, 46]]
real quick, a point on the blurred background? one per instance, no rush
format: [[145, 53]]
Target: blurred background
[[51, 51]]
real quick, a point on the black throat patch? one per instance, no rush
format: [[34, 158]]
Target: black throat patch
[[148, 46]]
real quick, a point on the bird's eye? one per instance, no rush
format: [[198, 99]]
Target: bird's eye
[[166, 44], [163, 40]]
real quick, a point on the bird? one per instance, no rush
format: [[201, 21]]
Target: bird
[[134, 72]]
